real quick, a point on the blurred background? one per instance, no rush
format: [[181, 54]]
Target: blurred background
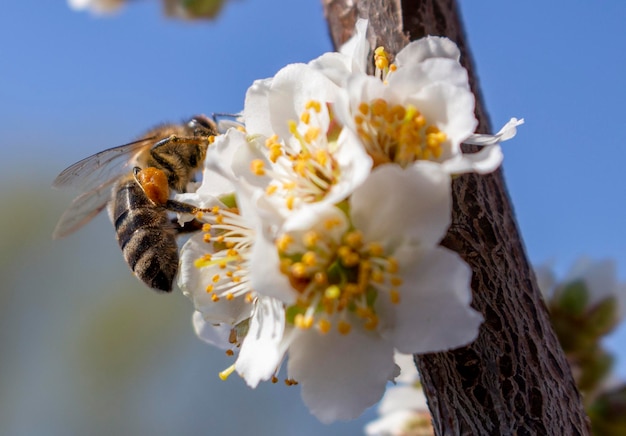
[[87, 349]]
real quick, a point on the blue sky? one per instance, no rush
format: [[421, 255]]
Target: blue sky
[[72, 84]]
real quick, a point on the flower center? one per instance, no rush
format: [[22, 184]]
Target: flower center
[[338, 279], [304, 168], [230, 241], [397, 134]]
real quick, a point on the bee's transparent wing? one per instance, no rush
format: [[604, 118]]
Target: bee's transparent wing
[[83, 209], [101, 168]]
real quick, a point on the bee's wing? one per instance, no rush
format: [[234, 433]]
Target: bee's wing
[[83, 209], [103, 167]]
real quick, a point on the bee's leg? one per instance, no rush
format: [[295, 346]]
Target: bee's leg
[[189, 227], [180, 207]]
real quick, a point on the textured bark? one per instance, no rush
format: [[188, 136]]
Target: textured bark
[[514, 379]]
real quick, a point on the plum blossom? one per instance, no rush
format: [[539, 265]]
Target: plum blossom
[[361, 280]]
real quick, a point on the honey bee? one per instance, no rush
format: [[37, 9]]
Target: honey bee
[[134, 180]]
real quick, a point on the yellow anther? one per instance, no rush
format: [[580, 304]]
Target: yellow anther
[[392, 265], [332, 292], [394, 296], [303, 322], [249, 297], [305, 117], [276, 151], [271, 140], [322, 157], [215, 298], [206, 237], [377, 276], [199, 215], [364, 108], [309, 258], [371, 323], [375, 249], [310, 238], [236, 279], [283, 242], [324, 325], [293, 127], [351, 259], [290, 201], [216, 278], [271, 189], [300, 167], [331, 223], [315, 105], [396, 281], [344, 327], [358, 119], [227, 372], [230, 296], [312, 134], [379, 107], [219, 219], [285, 266], [209, 288], [320, 278], [393, 67], [211, 139], [206, 227], [354, 239], [215, 210], [289, 186], [222, 264], [257, 167], [298, 270]]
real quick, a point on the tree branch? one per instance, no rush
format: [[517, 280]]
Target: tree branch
[[514, 379]]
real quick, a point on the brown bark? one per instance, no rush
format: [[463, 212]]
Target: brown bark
[[514, 379]]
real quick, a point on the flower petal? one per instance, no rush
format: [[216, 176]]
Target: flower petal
[[434, 312], [396, 205], [256, 112], [508, 131], [193, 281], [340, 375], [426, 48], [484, 161], [261, 353], [213, 334]]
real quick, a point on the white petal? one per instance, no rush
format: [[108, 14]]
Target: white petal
[[261, 353], [451, 109], [292, 88], [485, 161], [256, 112], [357, 47], [508, 131], [213, 334], [403, 397], [434, 312], [193, 282], [395, 205], [340, 375], [265, 276], [426, 48], [410, 79]]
